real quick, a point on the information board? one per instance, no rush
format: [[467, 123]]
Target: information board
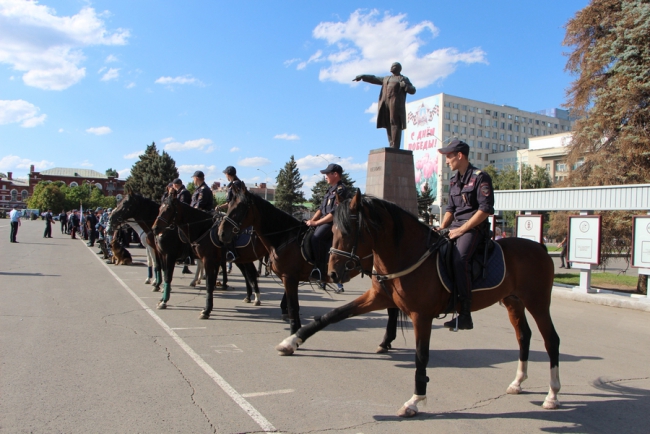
[[584, 239], [641, 241], [492, 222], [530, 226]]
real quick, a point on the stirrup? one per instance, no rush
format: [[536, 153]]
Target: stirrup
[[230, 256]]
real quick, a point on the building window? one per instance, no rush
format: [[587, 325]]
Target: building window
[[509, 116], [517, 128], [445, 176], [494, 146], [447, 115], [480, 121], [471, 143], [455, 116], [472, 119], [502, 148], [463, 130], [454, 106], [502, 137], [494, 135], [445, 189], [74, 184], [479, 156], [447, 127], [455, 128], [486, 157], [479, 110], [23, 195], [98, 185], [463, 107], [503, 125], [510, 137], [509, 127], [471, 132], [14, 195], [463, 118], [548, 167], [471, 155], [447, 104], [487, 134]]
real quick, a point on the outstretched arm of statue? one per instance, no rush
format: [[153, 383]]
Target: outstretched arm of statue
[[369, 79]]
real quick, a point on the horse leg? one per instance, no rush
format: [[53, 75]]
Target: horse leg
[[249, 288], [368, 302], [168, 274], [391, 331], [197, 274], [149, 274], [542, 316], [250, 274], [517, 315], [211, 272], [157, 273], [422, 328], [150, 263], [293, 306], [283, 307], [256, 287]]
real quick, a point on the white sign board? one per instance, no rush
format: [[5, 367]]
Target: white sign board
[[641, 241], [584, 239], [493, 225], [530, 226]]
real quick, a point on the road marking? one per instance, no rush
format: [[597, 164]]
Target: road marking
[[272, 392], [221, 382], [230, 348], [188, 328]]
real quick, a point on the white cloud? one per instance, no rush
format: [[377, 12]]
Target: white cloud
[[373, 110], [186, 79], [61, 130], [209, 171], [199, 144], [130, 85], [234, 149], [124, 173], [14, 162], [18, 110], [167, 140], [99, 131], [254, 162], [111, 74], [320, 161], [368, 43], [87, 163], [47, 47], [110, 59], [286, 136], [133, 155]]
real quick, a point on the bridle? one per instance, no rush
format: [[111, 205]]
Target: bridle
[[354, 260]]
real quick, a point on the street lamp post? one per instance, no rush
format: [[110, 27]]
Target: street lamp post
[[266, 187]]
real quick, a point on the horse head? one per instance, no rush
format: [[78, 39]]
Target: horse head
[[348, 254], [168, 215], [125, 209], [238, 214]]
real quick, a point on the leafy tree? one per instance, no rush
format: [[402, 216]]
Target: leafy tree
[[610, 40], [425, 199], [288, 194], [320, 188], [47, 195], [151, 174], [191, 187], [111, 172]]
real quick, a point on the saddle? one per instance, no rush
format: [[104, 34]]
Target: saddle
[[488, 269], [308, 253]]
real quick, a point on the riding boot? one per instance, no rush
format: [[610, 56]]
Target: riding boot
[[464, 318]]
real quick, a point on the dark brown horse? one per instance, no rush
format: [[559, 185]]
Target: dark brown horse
[[399, 241], [281, 234], [195, 226]]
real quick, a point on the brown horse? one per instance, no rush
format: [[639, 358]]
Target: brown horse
[[281, 234], [399, 241], [194, 226]]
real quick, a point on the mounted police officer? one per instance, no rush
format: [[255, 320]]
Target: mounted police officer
[[202, 197], [234, 181], [182, 193], [471, 201], [323, 218]]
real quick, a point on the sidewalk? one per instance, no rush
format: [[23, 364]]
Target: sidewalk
[[604, 297]]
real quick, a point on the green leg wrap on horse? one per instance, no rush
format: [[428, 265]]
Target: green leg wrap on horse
[[167, 289]]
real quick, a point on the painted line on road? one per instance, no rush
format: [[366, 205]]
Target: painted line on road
[[221, 382], [273, 392]]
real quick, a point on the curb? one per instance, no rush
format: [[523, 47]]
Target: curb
[[604, 299]]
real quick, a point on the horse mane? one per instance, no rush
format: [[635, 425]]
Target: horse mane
[[373, 213], [151, 205], [275, 220]]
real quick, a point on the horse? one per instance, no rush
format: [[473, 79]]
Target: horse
[[140, 213], [399, 242], [195, 226], [281, 234]]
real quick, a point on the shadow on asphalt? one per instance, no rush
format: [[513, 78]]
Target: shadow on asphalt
[[4, 273]]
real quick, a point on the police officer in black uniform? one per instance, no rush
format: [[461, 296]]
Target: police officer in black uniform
[[182, 193], [322, 219], [471, 201], [202, 197], [231, 174]]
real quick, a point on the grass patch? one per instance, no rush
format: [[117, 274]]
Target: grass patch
[[553, 248], [607, 280]]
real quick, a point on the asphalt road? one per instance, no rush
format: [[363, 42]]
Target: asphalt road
[[82, 349]]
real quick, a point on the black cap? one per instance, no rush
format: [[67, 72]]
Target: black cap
[[455, 146], [198, 174], [230, 171], [333, 168], [177, 181]]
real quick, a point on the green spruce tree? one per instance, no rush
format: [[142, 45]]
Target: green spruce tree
[[112, 172], [151, 174], [288, 194]]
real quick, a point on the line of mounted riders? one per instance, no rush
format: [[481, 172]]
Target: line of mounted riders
[[370, 237]]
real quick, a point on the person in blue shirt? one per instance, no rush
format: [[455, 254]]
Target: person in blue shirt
[[14, 216]]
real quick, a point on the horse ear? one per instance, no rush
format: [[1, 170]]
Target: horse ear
[[355, 203]]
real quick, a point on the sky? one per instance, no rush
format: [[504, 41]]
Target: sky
[[89, 84]]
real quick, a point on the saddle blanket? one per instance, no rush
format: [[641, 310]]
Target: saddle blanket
[[241, 240], [496, 272]]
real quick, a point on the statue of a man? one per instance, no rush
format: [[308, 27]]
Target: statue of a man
[[392, 102]]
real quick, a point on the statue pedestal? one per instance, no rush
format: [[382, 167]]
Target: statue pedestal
[[391, 176]]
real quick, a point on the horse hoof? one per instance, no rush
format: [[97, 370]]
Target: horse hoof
[[513, 390], [156, 289], [381, 350], [551, 404], [146, 282], [193, 284], [247, 300], [204, 315], [257, 303], [162, 305], [407, 412]]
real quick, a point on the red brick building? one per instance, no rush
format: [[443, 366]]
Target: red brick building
[[16, 192]]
